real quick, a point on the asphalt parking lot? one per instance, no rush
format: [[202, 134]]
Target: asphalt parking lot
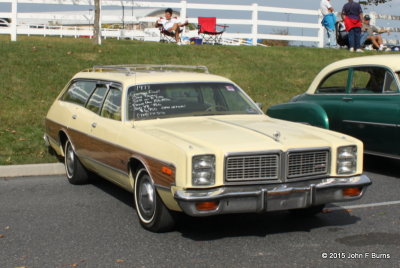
[[46, 222]]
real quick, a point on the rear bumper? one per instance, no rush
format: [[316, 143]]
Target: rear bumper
[[263, 198]]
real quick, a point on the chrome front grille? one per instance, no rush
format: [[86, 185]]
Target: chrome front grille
[[307, 163], [252, 167]]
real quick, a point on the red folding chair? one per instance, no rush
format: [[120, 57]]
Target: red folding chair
[[165, 36], [208, 30]]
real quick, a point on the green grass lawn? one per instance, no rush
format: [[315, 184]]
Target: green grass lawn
[[35, 69]]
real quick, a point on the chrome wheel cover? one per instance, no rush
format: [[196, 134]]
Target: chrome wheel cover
[[146, 197], [69, 160]]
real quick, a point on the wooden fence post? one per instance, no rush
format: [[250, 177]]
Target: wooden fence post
[[183, 12], [254, 28], [14, 20], [320, 32], [373, 18]]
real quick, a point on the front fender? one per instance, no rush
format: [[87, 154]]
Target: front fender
[[302, 112]]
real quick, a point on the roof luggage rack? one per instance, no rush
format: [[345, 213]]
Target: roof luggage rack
[[134, 68]]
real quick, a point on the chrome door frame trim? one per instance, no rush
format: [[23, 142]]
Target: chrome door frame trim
[[371, 123]]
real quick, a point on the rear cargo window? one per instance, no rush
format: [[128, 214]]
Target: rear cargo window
[[79, 92]]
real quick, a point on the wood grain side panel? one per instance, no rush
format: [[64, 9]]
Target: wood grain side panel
[[155, 168], [52, 129], [100, 151], [118, 157]]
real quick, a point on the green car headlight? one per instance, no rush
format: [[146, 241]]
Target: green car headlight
[[346, 160], [203, 170]]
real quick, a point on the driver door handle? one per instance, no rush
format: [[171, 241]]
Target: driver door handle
[[94, 124], [347, 99]]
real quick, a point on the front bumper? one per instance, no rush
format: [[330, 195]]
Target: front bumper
[[263, 198]]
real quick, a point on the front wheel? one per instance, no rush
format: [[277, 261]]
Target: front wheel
[[151, 211], [76, 172]]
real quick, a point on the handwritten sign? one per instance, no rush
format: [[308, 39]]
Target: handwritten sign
[[146, 102]]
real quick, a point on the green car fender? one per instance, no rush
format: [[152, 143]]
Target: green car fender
[[302, 112]]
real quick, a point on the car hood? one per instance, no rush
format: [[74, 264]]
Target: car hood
[[241, 133]]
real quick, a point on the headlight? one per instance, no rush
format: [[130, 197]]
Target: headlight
[[203, 170], [347, 160]]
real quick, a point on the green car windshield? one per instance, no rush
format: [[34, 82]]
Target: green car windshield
[[187, 99]]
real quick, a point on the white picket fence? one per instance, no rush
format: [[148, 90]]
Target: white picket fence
[[257, 26], [253, 9]]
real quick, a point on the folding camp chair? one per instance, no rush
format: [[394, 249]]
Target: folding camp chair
[[165, 36], [208, 30], [342, 37]]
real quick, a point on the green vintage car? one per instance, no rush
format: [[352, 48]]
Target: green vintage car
[[358, 96]]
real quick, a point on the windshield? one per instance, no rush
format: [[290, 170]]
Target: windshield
[[188, 99]]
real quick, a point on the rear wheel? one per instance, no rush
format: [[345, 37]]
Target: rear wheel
[[304, 212], [76, 173], [152, 213]]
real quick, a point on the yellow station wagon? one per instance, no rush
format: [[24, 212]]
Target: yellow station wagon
[[181, 139]]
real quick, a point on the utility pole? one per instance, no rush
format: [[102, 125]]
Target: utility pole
[[123, 15], [97, 23]]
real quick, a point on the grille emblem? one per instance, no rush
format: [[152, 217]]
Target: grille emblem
[[320, 166]]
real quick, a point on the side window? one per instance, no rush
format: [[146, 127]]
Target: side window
[[96, 100], [390, 85], [368, 80], [79, 92], [112, 105], [334, 83]]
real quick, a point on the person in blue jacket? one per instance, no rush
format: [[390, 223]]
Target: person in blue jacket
[[328, 22]]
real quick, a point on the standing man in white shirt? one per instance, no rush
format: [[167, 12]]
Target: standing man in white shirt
[[171, 24], [329, 21]]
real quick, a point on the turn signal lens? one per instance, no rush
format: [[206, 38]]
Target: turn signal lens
[[205, 206], [352, 191], [166, 170]]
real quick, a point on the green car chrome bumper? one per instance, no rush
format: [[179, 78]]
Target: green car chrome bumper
[[263, 198]]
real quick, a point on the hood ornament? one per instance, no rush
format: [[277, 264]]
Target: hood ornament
[[276, 135]]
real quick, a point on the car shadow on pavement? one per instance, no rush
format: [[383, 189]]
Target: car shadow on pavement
[[236, 225], [218, 227], [382, 165], [112, 190]]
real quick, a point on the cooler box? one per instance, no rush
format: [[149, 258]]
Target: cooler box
[[196, 41]]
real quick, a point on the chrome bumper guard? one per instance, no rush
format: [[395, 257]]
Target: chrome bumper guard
[[263, 198], [46, 140]]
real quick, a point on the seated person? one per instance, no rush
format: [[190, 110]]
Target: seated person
[[171, 25], [371, 32]]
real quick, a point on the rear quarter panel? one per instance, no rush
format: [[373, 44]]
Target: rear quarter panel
[[302, 112]]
